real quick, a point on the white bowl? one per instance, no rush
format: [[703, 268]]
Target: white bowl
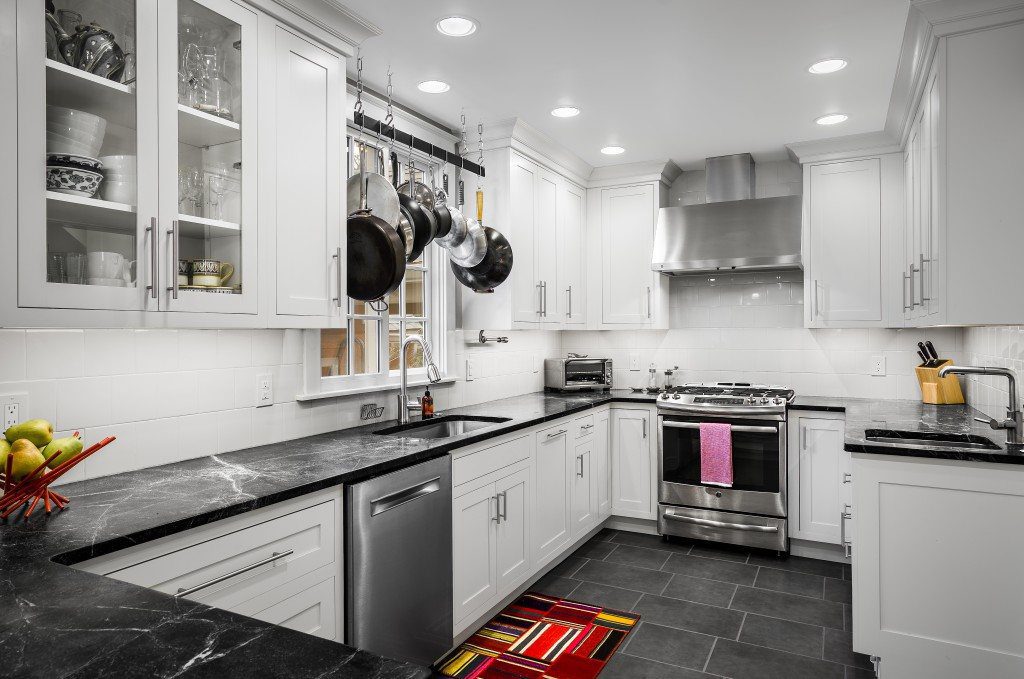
[[120, 162], [118, 192], [75, 118], [76, 135], [56, 143], [123, 178]]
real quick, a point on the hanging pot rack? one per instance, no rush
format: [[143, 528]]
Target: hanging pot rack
[[384, 130]]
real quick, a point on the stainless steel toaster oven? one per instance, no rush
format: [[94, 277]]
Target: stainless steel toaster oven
[[577, 373]]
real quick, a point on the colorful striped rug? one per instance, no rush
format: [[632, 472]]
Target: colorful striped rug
[[541, 637]]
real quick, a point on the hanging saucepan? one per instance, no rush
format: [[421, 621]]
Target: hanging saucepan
[[457, 234], [420, 191], [381, 196], [442, 214], [493, 269], [376, 254], [422, 221], [471, 251], [406, 231]]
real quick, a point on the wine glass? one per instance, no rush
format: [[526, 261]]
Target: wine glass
[[218, 187], [190, 188]]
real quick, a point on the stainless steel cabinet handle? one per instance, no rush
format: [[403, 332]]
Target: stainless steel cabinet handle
[[545, 299], [720, 524], [568, 313], [923, 288], [815, 303], [579, 458], [173, 233], [227, 576], [587, 426], [913, 301], [154, 259], [540, 298], [906, 277], [648, 302], [743, 428], [847, 477], [341, 294], [497, 512], [503, 505], [400, 497], [556, 433], [846, 516], [644, 420]]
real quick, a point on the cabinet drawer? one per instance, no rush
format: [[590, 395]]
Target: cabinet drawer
[[488, 460], [583, 426], [305, 540], [310, 605]]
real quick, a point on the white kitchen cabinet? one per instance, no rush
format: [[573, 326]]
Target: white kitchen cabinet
[[281, 564], [542, 213], [843, 243], [936, 566], [629, 286], [818, 466], [603, 463], [514, 499], [474, 548], [304, 210], [633, 469], [552, 524], [583, 486]]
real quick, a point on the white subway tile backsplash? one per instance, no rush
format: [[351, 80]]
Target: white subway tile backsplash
[[234, 348], [215, 390], [197, 349], [83, 402], [268, 347], [12, 355], [109, 352], [54, 353], [121, 455], [234, 429], [156, 351]]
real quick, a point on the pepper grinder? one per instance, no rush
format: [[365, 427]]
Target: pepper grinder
[[668, 377]]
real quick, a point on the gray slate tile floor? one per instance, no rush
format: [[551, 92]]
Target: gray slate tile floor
[[715, 610]]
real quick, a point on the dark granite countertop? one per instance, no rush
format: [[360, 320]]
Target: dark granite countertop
[[56, 621]]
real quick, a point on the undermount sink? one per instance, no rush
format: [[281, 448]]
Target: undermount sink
[[442, 427], [929, 440]]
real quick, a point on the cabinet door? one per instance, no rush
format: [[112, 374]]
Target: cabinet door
[[547, 253], [76, 245], [603, 464], [313, 610], [931, 262], [632, 468], [551, 519], [583, 496], [527, 291], [208, 159], [571, 251], [909, 215], [310, 254], [846, 241], [474, 550], [513, 530], [627, 237], [816, 473]]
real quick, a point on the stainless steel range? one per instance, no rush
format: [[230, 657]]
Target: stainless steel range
[[752, 511]]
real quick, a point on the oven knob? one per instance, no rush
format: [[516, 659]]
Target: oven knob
[[765, 401], [778, 401], [718, 494], [675, 396]]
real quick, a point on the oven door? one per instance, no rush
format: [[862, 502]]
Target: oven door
[[758, 460]]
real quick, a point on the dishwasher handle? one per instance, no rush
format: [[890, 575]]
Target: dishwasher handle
[[383, 504]]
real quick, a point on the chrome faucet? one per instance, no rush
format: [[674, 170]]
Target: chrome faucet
[[1014, 422], [405, 406]]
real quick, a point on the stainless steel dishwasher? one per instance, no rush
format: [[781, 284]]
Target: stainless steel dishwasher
[[399, 563]]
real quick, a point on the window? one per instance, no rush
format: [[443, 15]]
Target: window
[[366, 351]]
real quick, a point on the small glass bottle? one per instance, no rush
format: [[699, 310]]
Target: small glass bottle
[[427, 405], [652, 379]]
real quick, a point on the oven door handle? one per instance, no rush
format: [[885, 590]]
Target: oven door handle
[[720, 524], [742, 428]]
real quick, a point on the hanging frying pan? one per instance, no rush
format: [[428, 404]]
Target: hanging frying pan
[[457, 234], [422, 221], [441, 212], [421, 192], [493, 269], [471, 251], [381, 196], [376, 254], [406, 231]]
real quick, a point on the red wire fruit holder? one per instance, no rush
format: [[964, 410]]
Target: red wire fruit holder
[[35, 487]]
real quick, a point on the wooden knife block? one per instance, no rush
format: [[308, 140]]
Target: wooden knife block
[[939, 390]]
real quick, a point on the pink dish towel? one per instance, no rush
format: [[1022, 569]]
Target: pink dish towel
[[716, 454]]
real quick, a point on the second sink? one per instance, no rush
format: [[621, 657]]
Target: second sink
[[923, 440], [442, 427]]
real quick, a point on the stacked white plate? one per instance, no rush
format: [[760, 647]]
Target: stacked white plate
[[120, 178], [75, 132]]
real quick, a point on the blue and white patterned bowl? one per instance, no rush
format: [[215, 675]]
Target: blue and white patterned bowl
[[70, 160], [73, 181]]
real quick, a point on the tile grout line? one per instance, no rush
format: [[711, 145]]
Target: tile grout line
[[743, 622], [667, 583], [710, 653]]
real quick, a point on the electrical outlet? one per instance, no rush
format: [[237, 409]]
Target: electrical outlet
[[264, 390], [536, 364], [15, 408], [878, 365], [470, 370], [634, 360]]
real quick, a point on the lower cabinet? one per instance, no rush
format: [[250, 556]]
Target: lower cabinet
[[819, 477], [281, 564], [552, 469], [583, 496], [937, 542], [603, 464], [633, 473]]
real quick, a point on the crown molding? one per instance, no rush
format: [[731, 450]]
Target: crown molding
[[534, 144], [663, 171], [328, 21], [927, 22], [842, 148]]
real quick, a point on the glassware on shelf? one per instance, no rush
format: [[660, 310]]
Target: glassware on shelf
[[190, 191], [56, 270], [74, 265], [218, 185], [130, 61]]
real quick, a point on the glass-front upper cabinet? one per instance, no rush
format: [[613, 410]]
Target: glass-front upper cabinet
[[208, 156], [136, 146]]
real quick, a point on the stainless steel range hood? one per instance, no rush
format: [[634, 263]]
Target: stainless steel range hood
[[732, 230]]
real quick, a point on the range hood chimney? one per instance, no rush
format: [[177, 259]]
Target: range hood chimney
[[732, 230]]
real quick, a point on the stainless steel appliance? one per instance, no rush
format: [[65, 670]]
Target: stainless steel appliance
[[399, 563], [733, 229], [753, 511], [577, 373]]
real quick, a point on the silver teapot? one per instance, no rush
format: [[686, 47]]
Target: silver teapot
[[92, 48]]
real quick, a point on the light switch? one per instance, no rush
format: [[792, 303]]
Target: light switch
[[634, 360]]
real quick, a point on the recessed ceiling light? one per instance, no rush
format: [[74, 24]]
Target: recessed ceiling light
[[832, 119], [565, 111], [456, 26], [433, 86], [612, 150], [827, 66]]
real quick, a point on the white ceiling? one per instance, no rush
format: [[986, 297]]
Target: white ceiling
[[683, 79]]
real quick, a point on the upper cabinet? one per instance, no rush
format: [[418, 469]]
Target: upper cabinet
[[146, 189], [542, 213]]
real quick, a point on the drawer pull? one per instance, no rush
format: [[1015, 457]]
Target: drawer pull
[[556, 433], [227, 576], [721, 524]]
